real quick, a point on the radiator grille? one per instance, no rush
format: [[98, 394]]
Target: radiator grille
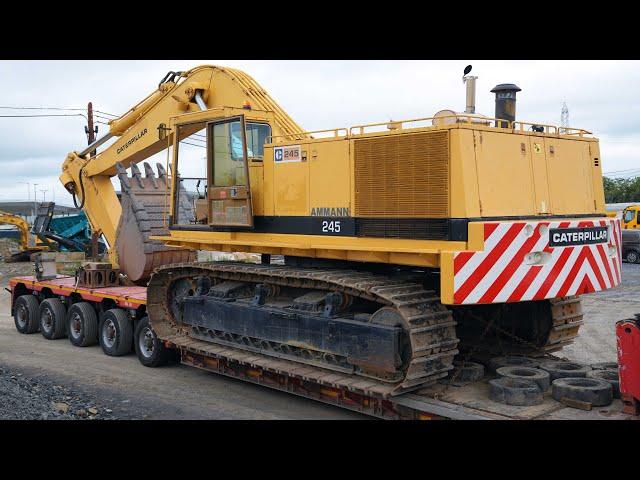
[[402, 175], [410, 228]]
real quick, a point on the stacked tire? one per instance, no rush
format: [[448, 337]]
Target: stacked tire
[[523, 382]]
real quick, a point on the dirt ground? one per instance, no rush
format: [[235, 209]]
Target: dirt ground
[[120, 387], [51, 379]]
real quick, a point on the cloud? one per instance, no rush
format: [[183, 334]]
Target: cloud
[[602, 97]]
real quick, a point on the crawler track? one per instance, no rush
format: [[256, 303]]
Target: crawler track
[[429, 325]]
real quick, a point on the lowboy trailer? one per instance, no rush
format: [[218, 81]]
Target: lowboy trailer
[[123, 325]]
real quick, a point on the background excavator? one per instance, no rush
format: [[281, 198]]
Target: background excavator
[[28, 244], [403, 242]]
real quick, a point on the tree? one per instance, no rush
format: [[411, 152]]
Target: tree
[[621, 190]]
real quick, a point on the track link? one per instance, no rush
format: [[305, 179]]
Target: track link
[[430, 326]]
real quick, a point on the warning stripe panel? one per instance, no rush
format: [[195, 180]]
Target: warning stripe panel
[[518, 263]]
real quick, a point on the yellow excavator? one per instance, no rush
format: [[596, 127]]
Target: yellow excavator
[[385, 248], [28, 243]]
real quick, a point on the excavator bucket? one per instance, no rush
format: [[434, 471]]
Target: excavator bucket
[[145, 206]]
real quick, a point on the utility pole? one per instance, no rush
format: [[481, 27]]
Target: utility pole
[[35, 201], [90, 130], [44, 193]]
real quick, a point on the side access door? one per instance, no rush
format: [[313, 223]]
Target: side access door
[[229, 195]]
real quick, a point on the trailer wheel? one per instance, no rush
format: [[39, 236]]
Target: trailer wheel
[[82, 324], [115, 332], [53, 319], [26, 314], [632, 256], [149, 348]]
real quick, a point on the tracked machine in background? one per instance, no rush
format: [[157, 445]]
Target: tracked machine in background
[[404, 242], [28, 243]]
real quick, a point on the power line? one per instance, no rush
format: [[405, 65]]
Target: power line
[[45, 115], [622, 171], [43, 108], [56, 108]]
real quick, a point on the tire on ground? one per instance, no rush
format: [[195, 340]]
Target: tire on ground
[[610, 376], [149, 348], [604, 366], [26, 314], [632, 256], [561, 369], [115, 332], [512, 361], [464, 372], [53, 319], [540, 377], [514, 391], [595, 391], [82, 324]]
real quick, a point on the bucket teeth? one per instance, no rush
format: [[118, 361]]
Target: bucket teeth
[[150, 174], [162, 173], [137, 174], [123, 177]]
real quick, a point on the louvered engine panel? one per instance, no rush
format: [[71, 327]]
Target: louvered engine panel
[[402, 175]]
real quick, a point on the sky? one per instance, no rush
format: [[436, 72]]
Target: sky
[[602, 96]]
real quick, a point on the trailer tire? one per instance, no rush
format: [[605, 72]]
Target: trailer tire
[[82, 324], [53, 319], [515, 391], [26, 314], [595, 391], [561, 369], [149, 348], [115, 332]]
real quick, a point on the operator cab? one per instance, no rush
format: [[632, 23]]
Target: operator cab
[[212, 158]]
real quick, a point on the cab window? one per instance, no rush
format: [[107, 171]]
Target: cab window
[[257, 134], [628, 215]]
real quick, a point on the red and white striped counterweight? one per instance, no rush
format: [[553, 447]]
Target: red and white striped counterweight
[[532, 260]]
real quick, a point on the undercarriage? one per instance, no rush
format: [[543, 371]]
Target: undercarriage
[[382, 334]]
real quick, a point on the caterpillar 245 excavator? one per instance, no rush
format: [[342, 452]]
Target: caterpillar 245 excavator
[[404, 242]]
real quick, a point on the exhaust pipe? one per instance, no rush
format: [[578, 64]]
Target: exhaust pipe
[[471, 94], [505, 103]]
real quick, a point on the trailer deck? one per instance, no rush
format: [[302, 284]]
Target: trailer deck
[[439, 401]]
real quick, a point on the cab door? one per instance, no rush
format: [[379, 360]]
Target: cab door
[[229, 193]]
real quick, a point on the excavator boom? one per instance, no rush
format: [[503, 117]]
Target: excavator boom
[[140, 133]]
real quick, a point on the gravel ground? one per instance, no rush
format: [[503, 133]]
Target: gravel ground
[[597, 339], [32, 387], [24, 397]]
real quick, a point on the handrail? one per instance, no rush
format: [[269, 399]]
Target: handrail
[[547, 128], [466, 118], [335, 131]]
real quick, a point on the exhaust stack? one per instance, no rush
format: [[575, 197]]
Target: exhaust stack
[[505, 103], [470, 82]]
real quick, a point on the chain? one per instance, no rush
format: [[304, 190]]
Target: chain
[[458, 369], [533, 346]]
